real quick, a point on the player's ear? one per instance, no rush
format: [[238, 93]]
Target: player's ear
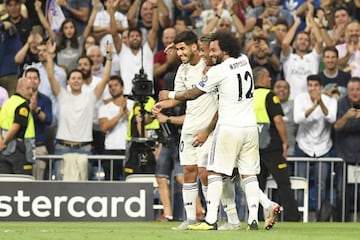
[[194, 47]]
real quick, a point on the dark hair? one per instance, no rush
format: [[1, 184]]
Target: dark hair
[[73, 71], [281, 21], [314, 77], [84, 43], [134, 29], [87, 57], [331, 49], [117, 78], [354, 79], [188, 37], [32, 69], [228, 43], [62, 40], [184, 19], [339, 8]]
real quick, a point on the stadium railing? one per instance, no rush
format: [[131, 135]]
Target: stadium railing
[[334, 162]]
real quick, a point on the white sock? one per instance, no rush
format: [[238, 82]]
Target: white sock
[[264, 200], [204, 191], [251, 187], [190, 193], [215, 186], [228, 201]]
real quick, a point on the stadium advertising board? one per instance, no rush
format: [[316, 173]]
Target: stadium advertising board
[[76, 201]]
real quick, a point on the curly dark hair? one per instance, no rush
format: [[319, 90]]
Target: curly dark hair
[[227, 43]]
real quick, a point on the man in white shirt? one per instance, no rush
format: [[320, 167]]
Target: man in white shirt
[[76, 109], [298, 65], [315, 113], [199, 114], [102, 29], [235, 141], [216, 11], [349, 52], [137, 55], [113, 120]]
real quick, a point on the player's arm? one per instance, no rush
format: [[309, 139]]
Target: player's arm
[[163, 104], [201, 136], [190, 94], [177, 120]]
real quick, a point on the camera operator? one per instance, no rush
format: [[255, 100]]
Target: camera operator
[[141, 150]]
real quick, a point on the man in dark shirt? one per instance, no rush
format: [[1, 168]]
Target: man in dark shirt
[[273, 141], [41, 109], [332, 78], [347, 138], [261, 56], [23, 25]]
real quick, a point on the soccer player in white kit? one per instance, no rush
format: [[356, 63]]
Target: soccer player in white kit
[[198, 116], [235, 140]]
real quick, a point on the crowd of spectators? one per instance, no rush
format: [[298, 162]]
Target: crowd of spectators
[[311, 49]]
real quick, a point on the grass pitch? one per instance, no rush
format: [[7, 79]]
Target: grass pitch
[[160, 230]]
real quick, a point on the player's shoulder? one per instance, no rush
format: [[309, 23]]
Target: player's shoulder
[[234, 63]]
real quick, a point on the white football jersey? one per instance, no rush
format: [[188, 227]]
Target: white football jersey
[[199, 112], [234, 81]]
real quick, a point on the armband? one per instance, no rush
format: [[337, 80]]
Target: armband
[[171, 95]]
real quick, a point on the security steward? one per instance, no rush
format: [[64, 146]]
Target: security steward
[[17, 131], [273, 142]]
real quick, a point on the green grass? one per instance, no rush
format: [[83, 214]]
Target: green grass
[[157, 230]]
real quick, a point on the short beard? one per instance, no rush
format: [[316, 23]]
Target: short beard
[[86, 75]]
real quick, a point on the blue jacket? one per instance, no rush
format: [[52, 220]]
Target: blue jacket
[[9, 46]]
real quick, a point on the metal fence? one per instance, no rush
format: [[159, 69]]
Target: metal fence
[[339, 176]]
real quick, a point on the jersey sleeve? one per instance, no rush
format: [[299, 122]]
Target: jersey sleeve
[[273, 105], [211, 79], [21, 114]]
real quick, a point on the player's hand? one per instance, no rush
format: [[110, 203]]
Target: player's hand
[[156, 109], [199, 138], [163, 95], [161, 117]]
